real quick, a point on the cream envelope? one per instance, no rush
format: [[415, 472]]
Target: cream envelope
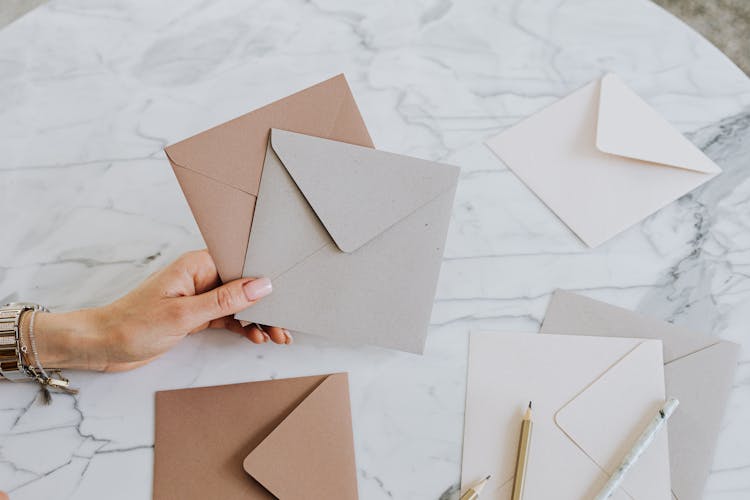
[[592, 397], [698, 369], [219, 169], [352, 239], [602, 159]]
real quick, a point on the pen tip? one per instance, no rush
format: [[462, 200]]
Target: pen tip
[[529, 405], [487, 478]]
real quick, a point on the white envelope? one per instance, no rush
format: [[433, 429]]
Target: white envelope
[[602, 159], [592, 397]]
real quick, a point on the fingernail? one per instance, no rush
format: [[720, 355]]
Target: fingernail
[[266, 337], [257, 289], [288, 336]]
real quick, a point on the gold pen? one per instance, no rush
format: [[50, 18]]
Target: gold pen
[[523, 455], [473, 492]]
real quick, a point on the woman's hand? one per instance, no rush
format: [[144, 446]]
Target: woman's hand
[[181, 299]]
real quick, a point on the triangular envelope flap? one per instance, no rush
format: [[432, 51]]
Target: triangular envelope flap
[[702, 382], [358, 192], [628, 126], [310, 455], [606, 418], [210, 201], [271, 252], [232, 152]]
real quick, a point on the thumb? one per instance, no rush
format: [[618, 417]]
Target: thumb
[[227, 299]]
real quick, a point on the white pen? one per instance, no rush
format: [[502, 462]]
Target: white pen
[[643, 441]]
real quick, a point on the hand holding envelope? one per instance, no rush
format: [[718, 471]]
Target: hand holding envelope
[[602, 159], [351, 237], [699, 370], [592, 398]]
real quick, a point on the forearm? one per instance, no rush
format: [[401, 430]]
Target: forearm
[[71, 340]]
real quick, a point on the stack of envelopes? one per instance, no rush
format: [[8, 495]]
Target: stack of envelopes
[[289, 438], [351, 237], [594, 386], [698, 370]]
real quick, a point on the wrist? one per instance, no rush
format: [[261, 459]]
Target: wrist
[[70, 340]]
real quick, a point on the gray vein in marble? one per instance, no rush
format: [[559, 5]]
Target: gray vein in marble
[[686, 282]]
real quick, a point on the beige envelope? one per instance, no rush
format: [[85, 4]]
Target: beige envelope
[[602, 159], [699, 370], [219, 169], [592, 397], [288, 439], [352, 239]]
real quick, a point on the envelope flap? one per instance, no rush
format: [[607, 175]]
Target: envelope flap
[[628, 126], [606, 418], [356, 192], [310, 454]]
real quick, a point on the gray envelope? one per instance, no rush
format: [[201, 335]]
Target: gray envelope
[[698, 370], [352, 239]]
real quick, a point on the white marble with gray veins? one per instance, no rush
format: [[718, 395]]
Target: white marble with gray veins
[[91, 90]]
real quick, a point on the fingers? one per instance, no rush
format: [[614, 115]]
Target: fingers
[[201, 267], [278, 335], [3, 496], [192, 273], [224, 300], [254, 333]]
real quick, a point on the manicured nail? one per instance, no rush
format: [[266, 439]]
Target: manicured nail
[[257, 289], [288, 336]]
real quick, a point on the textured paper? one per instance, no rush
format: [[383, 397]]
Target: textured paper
[[310, 454], [257, 440], [602, 159], [592, 397], [219, 170], [699, 370], [352, 239]]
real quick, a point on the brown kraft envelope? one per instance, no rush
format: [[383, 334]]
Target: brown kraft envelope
[[288, 439]]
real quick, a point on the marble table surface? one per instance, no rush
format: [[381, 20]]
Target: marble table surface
[[92, 90]]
